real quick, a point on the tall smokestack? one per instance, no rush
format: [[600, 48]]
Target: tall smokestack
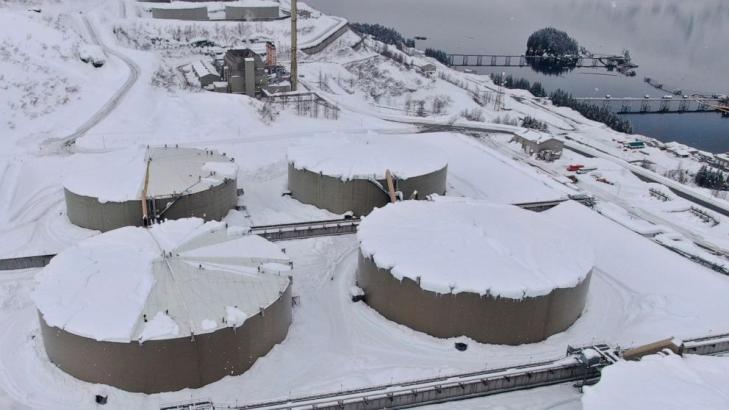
[[294, 46]]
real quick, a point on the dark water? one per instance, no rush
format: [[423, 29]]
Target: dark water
[[681, 43]]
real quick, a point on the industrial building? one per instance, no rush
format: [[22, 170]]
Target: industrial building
[[721, 161], [494, 273], [179, 305], [203, 72], [139, 186], [541, 144], [244, 71], [346, 173]]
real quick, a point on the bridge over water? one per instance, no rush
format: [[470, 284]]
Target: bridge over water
[[633, 105], [500, 60]]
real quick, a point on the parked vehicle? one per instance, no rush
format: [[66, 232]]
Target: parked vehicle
[[574, 167]]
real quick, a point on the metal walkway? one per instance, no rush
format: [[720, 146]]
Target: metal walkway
[[304, 230], [659, 105], [497, 60], [580, 365], [575, 367]]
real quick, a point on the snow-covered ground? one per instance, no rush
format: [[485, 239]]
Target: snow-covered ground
[[662, 382], [640, 291]]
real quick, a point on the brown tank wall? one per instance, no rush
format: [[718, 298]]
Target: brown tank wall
[[210, 204], [357, 195], [486, 319], [169, 365]]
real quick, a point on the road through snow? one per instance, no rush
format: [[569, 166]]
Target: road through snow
[[65, 144]]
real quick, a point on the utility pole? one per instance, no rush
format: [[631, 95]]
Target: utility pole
[[499, 103], [294, 69]]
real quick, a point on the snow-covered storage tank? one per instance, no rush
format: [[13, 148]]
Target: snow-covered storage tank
[[179, 305], [457, 267], [343, 172], [108, 191]]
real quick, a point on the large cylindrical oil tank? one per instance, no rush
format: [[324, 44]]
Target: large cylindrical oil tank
[[347, 173], [456, 267], [106, 191], [149, 310]]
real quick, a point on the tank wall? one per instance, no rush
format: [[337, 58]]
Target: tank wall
[[433, 183], [250, 13], [88, 212], [169, 365], [486, 319], [197, 13], [358, 195], [211, 204]]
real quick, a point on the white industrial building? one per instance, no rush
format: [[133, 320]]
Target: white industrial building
[[541, 144]]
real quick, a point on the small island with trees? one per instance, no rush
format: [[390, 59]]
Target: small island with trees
[[550, 42], [551, 51]]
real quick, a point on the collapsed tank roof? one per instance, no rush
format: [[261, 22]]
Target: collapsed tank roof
[[461, 245], [120, 175], [172, 280], [354, 156]]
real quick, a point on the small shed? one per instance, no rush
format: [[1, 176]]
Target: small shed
[[637, 144]]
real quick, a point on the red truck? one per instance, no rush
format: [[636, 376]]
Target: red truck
[[574, 167]]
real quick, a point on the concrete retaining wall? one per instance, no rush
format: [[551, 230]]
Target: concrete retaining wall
[[327, 41], [486, 319], [360, 196], [192, 13], [210, 204], [169, 365]]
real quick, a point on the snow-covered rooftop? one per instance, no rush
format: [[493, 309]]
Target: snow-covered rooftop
[[172, 280], [662, 382], [463, 245], [351, 156], [203, 68], [120, 175], [533, 135]]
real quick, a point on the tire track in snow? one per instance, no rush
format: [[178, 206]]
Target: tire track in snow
[[65, 144]]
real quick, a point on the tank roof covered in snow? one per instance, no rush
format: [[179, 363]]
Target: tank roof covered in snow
[[362, 156], [120, 175], [461, 245], [172, 280]]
